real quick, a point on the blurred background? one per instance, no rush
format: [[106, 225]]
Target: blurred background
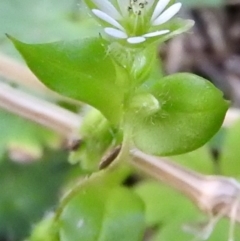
[[33, 160]]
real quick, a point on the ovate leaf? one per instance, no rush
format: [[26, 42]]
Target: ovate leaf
[[160, 204], [199, 160], [46, 230], [80, 69], [191, 110], [98, 213]]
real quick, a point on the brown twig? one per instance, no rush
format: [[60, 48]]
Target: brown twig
[[212, 194], [40, 111]]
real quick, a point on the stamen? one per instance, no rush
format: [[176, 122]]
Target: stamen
[[137, 6]]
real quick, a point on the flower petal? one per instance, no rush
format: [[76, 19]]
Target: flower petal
[[156, 33], [115, 33], [168, 14], [123, 5], [136, 40], [103, 16], [159, 8], [108, 8]]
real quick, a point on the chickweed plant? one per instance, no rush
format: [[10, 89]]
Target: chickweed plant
[[135, 106]]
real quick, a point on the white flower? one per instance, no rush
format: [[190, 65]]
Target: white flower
[[134, 20]]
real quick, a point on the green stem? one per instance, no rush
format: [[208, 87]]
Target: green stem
[[113, 175]]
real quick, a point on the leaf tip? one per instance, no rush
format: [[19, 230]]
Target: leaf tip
[[14, 40], [9, 36]]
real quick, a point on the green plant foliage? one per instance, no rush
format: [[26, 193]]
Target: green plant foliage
[[46, 230], [191, 111], [28, 191], [133, 105], [170, 220], [160, 203], [183, 114], [104, 214], [220, 232], [97, 136], [230, 152], [75, 69], [199, 160]]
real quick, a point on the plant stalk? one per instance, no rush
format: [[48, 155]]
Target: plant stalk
[[39, 111], [214, 195]]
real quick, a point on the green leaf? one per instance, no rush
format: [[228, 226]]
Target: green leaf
[[175, 229], [160, 204], [220, 232], [162, 211], [79, 69], [46, 230], [138, 63], [98, 213], [29, 191], [190, 113], [229, 156], [199, 160]]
